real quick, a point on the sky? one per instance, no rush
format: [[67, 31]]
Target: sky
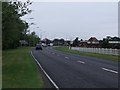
[[69, 20]]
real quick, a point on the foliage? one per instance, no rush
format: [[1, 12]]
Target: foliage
[[76, 42], [106, 44], [32, 39], [48, 41], [13, 28], [58, 41], [12, 25]]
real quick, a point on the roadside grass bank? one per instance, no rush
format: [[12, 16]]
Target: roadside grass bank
[[103, 56], [0, 69], [19, 69]]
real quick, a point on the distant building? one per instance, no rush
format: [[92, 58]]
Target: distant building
[[114, 44], [92, 43], [83, 43]]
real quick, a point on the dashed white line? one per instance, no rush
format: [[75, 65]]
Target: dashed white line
[[67, 57], [45, 73], [110, 70], [81, 62]]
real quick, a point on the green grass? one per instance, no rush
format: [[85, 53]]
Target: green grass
[[103, 56], [0, 69], [19, 69]]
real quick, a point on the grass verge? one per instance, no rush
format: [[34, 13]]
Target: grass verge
[[0, 69], [19, 69], [103, 56]]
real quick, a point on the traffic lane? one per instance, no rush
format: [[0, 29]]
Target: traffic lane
[[107, 72], [87, 57], [91, 60], [104, 79], [71, 76], [88, 62]]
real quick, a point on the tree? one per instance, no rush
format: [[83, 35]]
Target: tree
[[32, 39], [58, 41], [62, 41], [12, 25], [106, 44], [76, 42], [48, 41]]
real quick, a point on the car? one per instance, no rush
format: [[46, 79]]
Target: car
[[38, 47], [44, 45]]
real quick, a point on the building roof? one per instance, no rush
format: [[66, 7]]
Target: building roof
[[93, 39]]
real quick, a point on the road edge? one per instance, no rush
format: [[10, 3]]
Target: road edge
[[54, 84]]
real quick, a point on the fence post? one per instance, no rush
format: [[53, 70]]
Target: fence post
[[98, 50], [110, 51], [105, 50], [116, 52], [113, 51], [102, 50]]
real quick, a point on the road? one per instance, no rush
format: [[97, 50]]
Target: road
[[76, 71]]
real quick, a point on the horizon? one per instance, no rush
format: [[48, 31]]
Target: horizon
[[80, 38]]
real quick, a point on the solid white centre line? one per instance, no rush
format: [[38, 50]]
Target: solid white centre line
[[81, 62], [67, 57], [109, 70]]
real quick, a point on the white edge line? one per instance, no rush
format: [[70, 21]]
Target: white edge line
[[81, 62], [109, 70], [45, 73]]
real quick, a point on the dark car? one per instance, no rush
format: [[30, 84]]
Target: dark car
[[38, 47]]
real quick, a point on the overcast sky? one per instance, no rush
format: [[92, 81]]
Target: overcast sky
[[69, 20]]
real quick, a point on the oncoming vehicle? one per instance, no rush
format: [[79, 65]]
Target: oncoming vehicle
[[38, 47]]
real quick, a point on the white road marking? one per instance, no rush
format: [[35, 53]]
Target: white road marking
[[45, 72], [67, 57], [81, 62], [109, 70]]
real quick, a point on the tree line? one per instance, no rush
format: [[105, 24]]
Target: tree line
[[104, 43], [14, 28]]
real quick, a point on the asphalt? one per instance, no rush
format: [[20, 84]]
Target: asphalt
[[75, 71]]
